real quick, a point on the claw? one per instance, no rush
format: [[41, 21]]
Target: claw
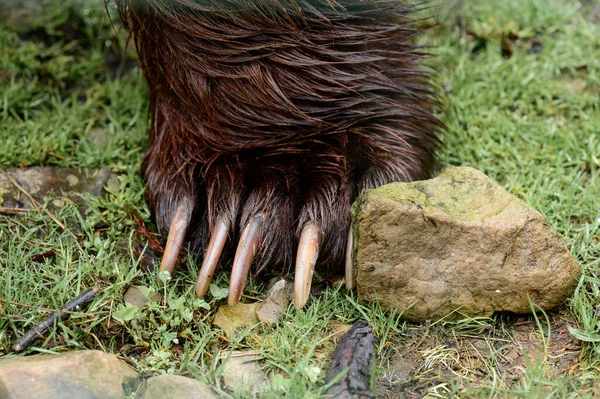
[[177, 232], [212, 256], [244, 254], [349, 272], [308, 251]]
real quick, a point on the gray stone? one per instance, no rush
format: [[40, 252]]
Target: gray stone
[[21, 15], [80, 374], [61, 185], [458, 241], [175, 387], [99, 137], [276, 303], [242, 371]]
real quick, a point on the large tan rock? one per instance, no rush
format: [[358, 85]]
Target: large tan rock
[[458, 241], [81, 374]]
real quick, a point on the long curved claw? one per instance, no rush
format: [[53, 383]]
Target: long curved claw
[[218, 239], [308, 252], [177, 231], [349, 272], [244, 254]]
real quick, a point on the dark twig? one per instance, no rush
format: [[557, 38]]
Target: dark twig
[[38, 330], [353, 359]]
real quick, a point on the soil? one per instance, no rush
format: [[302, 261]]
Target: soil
[[430, 356]]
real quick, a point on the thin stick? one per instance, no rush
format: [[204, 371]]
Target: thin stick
[[12, 211], [16, 316], [38, 330], [243, 354], [22, 305], [487, 338]]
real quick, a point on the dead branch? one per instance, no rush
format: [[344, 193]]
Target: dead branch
[[39, 330], [353, 359]]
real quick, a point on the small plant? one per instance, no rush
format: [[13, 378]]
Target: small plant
[[165, 320]]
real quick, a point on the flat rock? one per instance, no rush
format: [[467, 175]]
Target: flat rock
[[242, 371], [276, 303], [79, 374], [459, 241], [135, 297], [239, 316], [99, 137], [59, 185], [174, 386]]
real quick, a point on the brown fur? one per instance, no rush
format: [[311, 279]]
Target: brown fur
[[288, 108]]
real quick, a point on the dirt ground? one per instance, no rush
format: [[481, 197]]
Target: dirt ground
[[429, 359]]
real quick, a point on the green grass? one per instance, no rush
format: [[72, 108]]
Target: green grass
[[529, 119]]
